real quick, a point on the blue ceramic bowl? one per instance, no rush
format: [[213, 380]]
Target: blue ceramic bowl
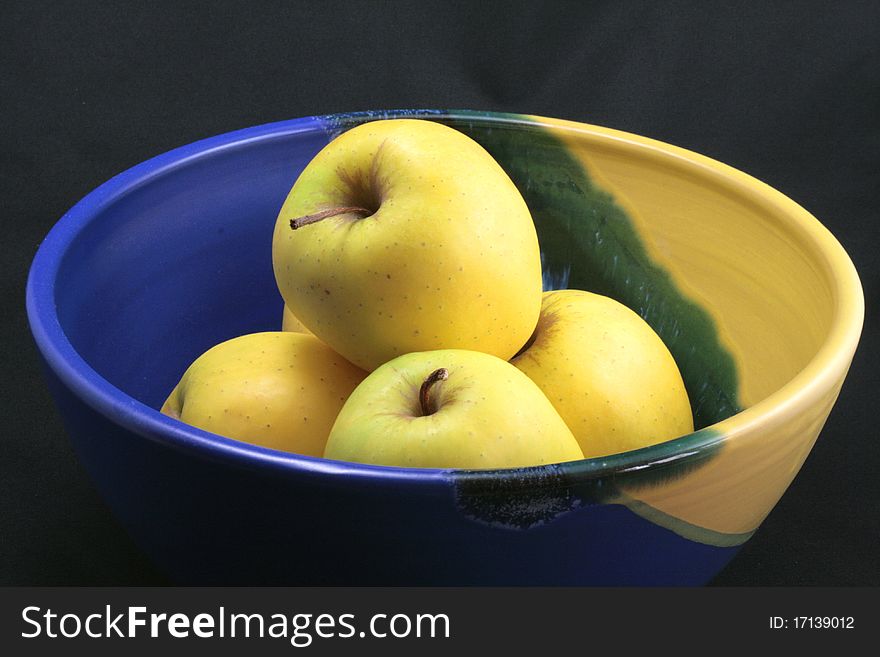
[[174, 256]]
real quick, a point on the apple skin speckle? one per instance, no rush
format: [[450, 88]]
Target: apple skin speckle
[[427, 207]]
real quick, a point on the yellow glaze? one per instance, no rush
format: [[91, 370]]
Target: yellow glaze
[[786, 301]]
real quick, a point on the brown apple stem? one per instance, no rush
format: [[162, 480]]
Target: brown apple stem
[[428, 408], [299, 222]]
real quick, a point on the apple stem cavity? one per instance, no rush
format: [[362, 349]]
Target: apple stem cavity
[[299, 222], [429, 408]]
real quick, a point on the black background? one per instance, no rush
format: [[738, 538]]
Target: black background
[[788, 92]]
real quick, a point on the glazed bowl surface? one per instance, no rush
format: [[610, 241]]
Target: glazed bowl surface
[[759, 304]]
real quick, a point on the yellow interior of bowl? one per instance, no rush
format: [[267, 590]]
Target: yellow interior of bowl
[[770, 274], [785, 300]]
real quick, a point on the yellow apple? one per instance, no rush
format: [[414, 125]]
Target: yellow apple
[[450, 408], [290, 322], [405, 235], [607, 372], [275, 389]]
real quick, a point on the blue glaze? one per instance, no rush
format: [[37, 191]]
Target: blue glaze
[[174, 256]]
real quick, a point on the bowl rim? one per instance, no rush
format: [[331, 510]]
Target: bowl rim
[[825, 370]]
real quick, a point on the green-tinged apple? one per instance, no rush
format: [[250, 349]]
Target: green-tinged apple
[[290, 322], [450, 408], [274, 389], [405, 235], [607, 372]]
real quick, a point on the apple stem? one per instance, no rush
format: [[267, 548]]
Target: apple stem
[[299, 222], [437, 375]]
